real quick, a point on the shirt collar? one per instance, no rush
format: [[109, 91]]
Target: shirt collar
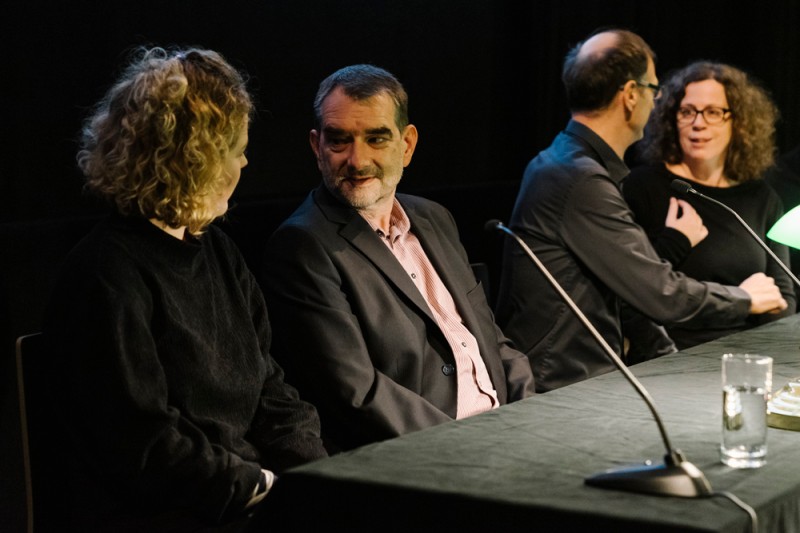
[[399, 223], [617, 169]]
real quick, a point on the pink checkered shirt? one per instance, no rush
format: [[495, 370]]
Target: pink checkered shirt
[[476, 393]]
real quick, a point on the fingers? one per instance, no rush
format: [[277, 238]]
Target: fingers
[[672, 212], [765, 296], [686, 207], [683, 217]]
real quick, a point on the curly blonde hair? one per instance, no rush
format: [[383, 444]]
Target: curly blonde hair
[[752, 148], [155, 144]]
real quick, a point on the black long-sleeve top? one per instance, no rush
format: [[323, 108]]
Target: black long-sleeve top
[[728, 255], [169, 398]]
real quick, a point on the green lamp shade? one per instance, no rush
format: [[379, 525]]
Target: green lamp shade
[[787, 229]]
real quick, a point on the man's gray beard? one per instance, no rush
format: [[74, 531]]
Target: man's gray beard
[[357, 205]]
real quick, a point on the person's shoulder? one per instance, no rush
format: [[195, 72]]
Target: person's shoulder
[[791, 162], [567, 177], [764, 190], [105, 253], [108, 239], [647, 177], [215, 233], [221, 244], [315, 212], [216, 236], [418, 206], [646, 171], [753, 187], [420, 203], [314, 227], [565, 164]]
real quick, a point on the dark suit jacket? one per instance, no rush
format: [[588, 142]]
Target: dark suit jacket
[[356, 336]]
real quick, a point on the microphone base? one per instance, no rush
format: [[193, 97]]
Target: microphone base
[[681, 479]]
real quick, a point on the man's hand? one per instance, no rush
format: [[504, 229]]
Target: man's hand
[[765, 297], [689, 222]]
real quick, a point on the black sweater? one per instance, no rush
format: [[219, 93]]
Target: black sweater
[[728, 255], [171, 400]]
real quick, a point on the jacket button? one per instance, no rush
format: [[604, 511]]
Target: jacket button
[[448, 369]]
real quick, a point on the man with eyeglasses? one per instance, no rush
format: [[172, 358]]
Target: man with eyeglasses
[[571, 212], [376, 313]]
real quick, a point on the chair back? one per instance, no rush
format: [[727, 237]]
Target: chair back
[[481, 272], [44, 470]]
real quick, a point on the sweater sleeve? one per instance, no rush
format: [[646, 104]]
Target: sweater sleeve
[[672, 245], [285, 429], [116, 400]]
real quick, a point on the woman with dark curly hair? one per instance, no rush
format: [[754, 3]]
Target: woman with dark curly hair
[[713, 127], [174, 414]]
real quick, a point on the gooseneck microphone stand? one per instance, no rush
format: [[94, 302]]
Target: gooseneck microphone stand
[[676, 476]]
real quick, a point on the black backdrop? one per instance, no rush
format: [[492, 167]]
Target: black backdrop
[[483, 78], [483, 75]]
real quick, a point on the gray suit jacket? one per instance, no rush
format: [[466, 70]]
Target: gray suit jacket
[[356, 336]]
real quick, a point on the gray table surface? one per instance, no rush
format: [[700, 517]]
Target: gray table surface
[[522, 467]]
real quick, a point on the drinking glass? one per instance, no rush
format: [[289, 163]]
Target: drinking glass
[[746, 385]]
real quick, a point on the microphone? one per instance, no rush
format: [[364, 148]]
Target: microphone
[[677, 476], [684, 188]]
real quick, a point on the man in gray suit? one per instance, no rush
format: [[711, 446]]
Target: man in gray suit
[[377, 316]]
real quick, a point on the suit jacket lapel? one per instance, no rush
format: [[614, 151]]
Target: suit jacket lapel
[[455, 273], [447, 262], [360, 235]]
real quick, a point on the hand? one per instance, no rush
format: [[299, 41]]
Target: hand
[[689, 222], [262, 488], [765, 297]]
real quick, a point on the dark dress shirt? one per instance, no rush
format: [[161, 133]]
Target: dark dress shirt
[[570, 211]]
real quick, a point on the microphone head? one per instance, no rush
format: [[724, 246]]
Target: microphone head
[[492, 225], [681, 186]]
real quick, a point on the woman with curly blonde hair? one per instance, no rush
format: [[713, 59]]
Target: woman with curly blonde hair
[[714, 127], [167, 149], [174, 414]]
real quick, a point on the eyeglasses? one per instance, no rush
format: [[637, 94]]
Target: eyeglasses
[[655, 88], [712, 115]]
